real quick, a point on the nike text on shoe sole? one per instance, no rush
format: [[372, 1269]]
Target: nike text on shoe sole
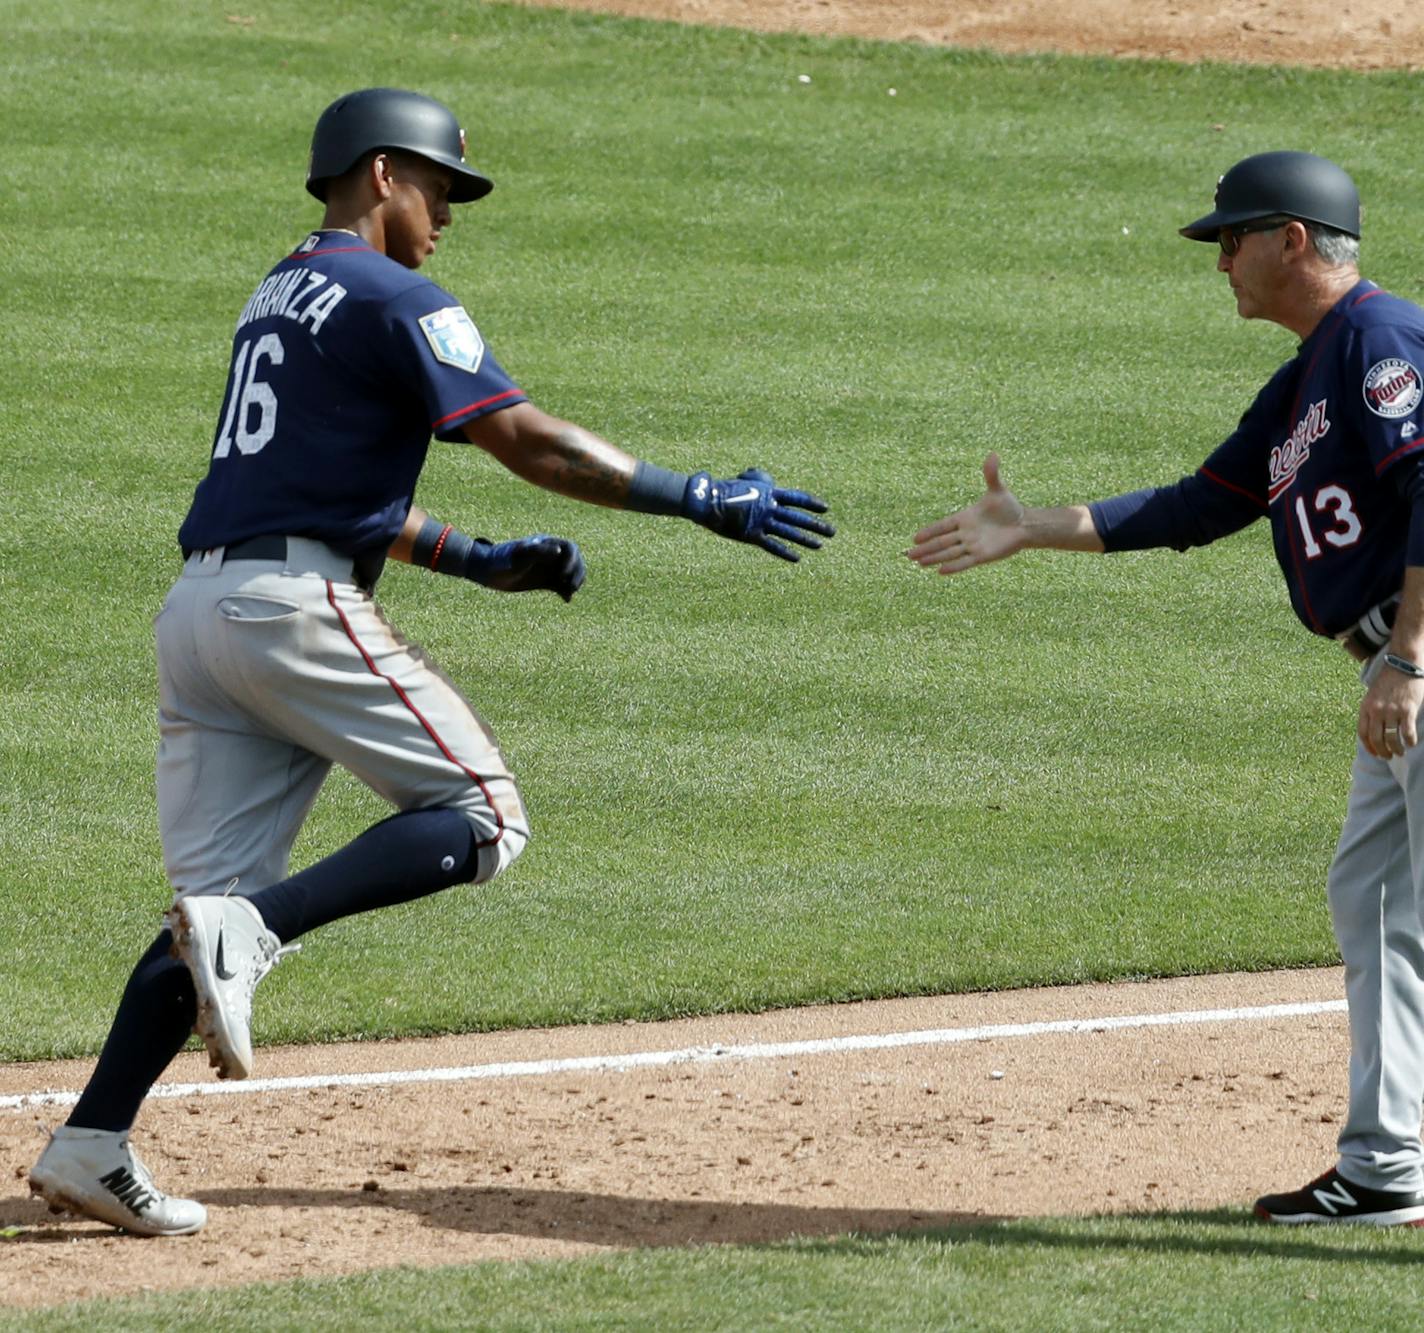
[[69, 1197]]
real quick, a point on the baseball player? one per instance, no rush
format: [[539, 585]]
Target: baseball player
[[1330, 453], [274, 661]]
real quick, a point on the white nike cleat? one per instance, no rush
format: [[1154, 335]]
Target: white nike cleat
[[228, 950], [95, 1172]]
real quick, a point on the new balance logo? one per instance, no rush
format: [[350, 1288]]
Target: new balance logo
[[121, 1184], [1335, 1198]]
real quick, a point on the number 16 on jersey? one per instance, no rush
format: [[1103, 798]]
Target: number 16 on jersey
[[248, 395]]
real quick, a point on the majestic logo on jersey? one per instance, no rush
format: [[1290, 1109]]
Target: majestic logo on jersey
[[453, 338], [1287, 459], [1393, 388]]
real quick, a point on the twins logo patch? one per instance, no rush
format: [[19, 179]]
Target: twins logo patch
[[453, 338], [1393, 388]]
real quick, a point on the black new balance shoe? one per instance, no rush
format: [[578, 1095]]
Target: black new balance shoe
[[1332, 1198]]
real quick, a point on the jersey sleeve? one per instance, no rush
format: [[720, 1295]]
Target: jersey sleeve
[[443, 358], [1227, 493], [1383, 367]]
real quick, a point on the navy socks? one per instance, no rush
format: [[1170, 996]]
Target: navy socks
[[154, 1019], [404, 857]]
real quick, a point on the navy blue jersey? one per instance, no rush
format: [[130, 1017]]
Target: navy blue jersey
[[1320, 453], [344, 363]]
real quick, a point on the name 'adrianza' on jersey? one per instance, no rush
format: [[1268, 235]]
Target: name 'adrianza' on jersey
[[344, 365]]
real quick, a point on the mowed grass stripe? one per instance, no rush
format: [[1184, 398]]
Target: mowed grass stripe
[[1217, 1270]]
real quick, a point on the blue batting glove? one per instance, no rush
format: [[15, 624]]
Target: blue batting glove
[[526, 564], [752, 508]]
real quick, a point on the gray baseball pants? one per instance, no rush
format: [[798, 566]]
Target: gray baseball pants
[[270, 672], [1376, 895]]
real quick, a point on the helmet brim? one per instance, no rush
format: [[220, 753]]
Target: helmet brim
[[1209, 227], [466, 184]]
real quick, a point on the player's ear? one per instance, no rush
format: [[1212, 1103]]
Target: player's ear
[[381, 175]]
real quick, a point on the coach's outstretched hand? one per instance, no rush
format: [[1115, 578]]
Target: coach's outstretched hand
[[526, 564], [988, 530], [752, 508]]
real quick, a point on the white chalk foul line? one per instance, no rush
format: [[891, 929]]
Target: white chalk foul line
[[704, 1054]]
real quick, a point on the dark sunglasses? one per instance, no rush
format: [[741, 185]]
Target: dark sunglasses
[[1229, 238]]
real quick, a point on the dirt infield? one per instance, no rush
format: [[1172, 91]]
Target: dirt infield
[[1347, 34], [333, 1179]]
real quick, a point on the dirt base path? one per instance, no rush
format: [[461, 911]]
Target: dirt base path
[[1355, 34], [757, 1147]]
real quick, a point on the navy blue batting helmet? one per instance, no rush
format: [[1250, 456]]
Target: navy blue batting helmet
[[391, 118], [1291, 185]]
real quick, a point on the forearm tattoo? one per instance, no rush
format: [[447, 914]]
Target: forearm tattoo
[[579, 464]]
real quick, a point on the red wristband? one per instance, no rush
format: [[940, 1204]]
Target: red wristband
[[440, 544]]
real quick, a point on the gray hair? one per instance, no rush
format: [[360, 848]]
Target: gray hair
[[1334, 247]]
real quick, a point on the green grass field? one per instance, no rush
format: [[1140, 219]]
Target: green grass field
[[752, 786], [1212, 1271]]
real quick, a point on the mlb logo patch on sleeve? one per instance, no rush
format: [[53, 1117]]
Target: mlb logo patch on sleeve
[[453, 338]]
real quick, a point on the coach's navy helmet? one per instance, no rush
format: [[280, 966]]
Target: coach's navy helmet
[[1287, 185], [391, 118]]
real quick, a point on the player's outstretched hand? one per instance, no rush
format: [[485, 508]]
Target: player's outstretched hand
[[751, 507], [528, 563], [989, 529]]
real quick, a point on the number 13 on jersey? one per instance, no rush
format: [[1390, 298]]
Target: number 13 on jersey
[[1345, 529]]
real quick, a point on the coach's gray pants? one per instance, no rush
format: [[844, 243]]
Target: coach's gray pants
[[1376, 892]]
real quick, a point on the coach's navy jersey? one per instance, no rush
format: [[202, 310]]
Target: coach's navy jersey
[[344, 363], [1317, 453]]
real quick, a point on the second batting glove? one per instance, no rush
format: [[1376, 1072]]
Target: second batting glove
[[526, 564]]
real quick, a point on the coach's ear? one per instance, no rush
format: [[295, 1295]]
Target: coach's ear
[[1295, 242]]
